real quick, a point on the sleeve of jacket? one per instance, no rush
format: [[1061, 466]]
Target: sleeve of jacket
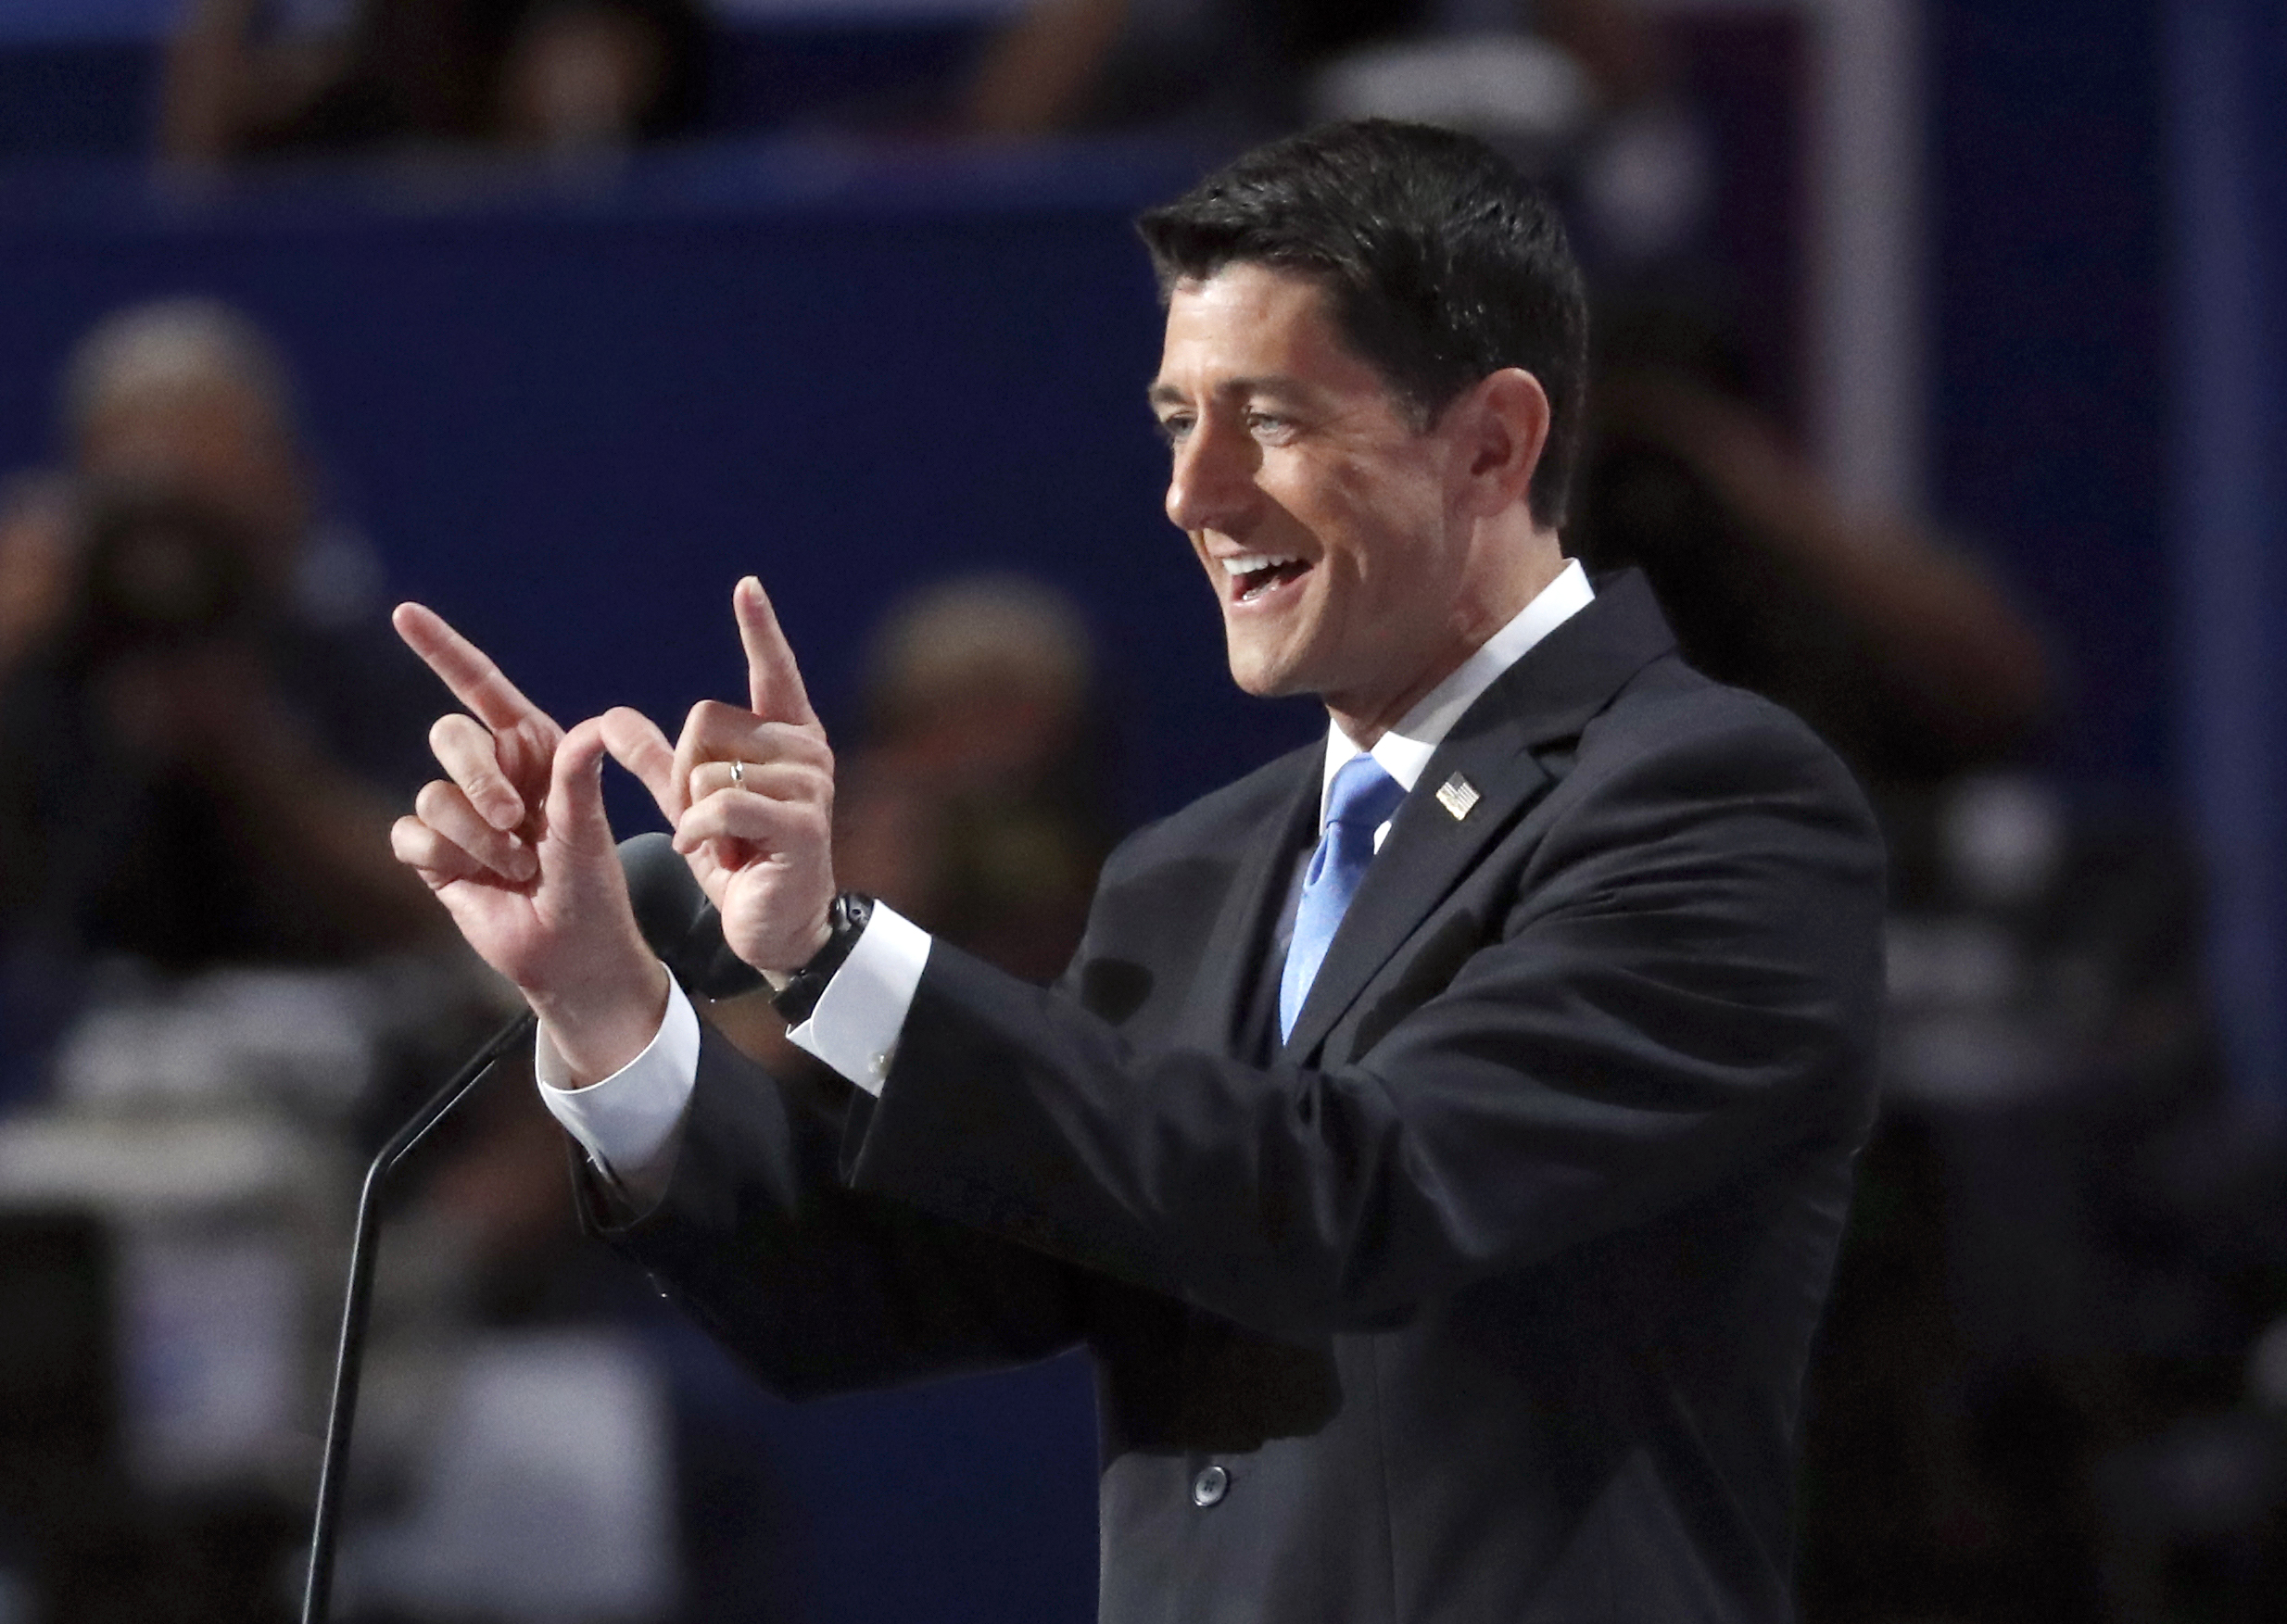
[[1681, 977], [817, 1288]]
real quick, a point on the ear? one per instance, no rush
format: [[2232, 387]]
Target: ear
[[1502, 424]]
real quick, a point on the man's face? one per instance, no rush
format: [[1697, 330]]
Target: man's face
[[1324, 519]]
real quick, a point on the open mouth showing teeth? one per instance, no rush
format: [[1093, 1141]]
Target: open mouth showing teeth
[[1254, 575]]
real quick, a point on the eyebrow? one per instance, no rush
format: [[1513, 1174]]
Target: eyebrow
[[1278, 384]]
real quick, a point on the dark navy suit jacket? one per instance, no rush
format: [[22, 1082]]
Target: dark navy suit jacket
[[1488, 1295]]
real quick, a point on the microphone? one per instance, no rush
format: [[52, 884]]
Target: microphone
[[684, 931], [677, 921]]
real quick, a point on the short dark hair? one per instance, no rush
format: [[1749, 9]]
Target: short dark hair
[[1444, 263]]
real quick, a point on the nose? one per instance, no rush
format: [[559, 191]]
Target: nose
[[1211, 485]]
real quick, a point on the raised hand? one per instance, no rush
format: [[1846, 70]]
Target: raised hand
[[514, 842], [751, 794]]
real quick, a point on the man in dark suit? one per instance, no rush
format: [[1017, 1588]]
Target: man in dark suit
[[1441, 1139]]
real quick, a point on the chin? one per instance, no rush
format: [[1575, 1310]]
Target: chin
[[1262, 679]]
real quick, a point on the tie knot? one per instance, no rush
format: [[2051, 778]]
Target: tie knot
[[1363, 794]]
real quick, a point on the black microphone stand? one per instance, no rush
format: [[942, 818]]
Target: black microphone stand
[[349, 1359]]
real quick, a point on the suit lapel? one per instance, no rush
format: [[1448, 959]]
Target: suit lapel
[[1242, 928], [1546, 698]]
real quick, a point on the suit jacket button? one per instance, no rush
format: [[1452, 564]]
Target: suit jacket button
[[1208, 1486]]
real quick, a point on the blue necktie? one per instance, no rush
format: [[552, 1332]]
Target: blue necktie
[[1362, 800]]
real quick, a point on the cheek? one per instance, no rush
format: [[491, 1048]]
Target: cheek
[[1386, 500], [1385, 547]]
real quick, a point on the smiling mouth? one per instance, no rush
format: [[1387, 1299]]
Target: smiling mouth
[[1252, 574]]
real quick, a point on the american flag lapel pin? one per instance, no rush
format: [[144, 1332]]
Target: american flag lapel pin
[[1457, 794]]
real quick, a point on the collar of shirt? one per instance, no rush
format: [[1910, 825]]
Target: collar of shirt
[[1406, 749]]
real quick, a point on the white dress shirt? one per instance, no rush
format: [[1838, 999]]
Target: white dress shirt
[[630, 1123]]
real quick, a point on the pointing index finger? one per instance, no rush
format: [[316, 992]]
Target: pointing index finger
[[773, 681], [465, 668]]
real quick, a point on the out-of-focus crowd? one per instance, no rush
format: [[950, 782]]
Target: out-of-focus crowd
[[245, 80], [2054, 1379]]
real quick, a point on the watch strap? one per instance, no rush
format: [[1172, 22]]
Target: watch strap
[[845, 921]]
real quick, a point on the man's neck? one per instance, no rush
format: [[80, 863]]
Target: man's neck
[[1527, 570], [1406, 749]]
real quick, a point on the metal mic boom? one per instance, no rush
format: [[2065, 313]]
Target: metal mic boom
[[684, 929]]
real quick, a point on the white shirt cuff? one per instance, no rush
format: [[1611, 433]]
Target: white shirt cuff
[[627, 1121], [855, 1026]]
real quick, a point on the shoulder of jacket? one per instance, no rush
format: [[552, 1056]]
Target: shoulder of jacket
[[1671, 710]]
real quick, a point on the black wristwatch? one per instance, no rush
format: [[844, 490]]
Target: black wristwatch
[[845, 921]]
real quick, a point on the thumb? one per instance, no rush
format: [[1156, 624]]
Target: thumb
[[576, 789], [636, 744]]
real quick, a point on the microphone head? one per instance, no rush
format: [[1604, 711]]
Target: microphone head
[[678, 922]]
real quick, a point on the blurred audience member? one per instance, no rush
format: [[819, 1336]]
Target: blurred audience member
[[205, 729], [35, 563], [976, 798], [543, 76], [1579, 90], [199, 736], [583, 75], [2028, 1402], [1895, 646], [1247, 64]]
